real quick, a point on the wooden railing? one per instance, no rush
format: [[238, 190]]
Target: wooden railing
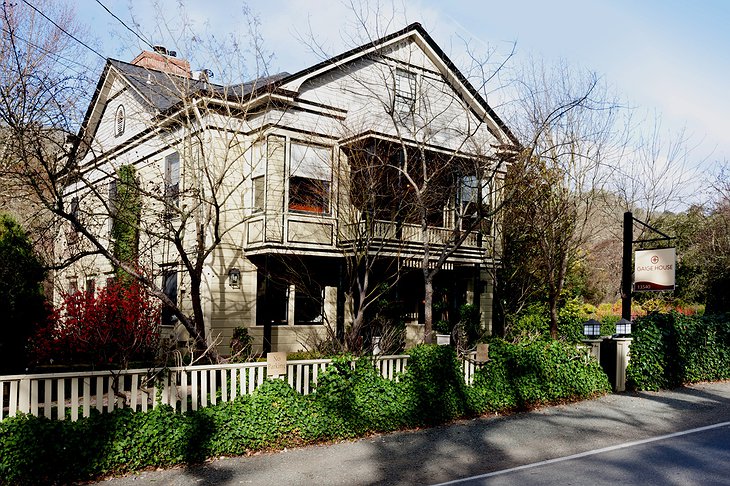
[[410, 233], [73, 395]]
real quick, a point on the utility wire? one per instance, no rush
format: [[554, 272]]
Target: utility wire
[[64, 31], [47, 51], [125, 25]]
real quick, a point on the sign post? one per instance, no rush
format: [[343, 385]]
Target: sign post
[[626, 266], [663, 258]]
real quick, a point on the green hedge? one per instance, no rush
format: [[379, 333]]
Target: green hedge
[[524, 375], [349, 402], [671, 349]]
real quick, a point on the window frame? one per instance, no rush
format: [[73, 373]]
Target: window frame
[[404, 99], [319, 201], [172, 184], [120, 121]]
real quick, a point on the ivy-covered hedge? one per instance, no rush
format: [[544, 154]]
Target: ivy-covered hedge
[[348, 402], [671, 349], [523, 375]]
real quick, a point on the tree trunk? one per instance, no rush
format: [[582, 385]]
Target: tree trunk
[[198, 317], [428, 308], [553, 304]]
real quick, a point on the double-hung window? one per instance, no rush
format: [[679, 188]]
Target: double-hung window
[[258, 178], [172, 184], [169, 288], [310, 178], [404, 100]]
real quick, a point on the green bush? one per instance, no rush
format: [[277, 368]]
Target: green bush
[[531, 373], [671, 349], [534, 321], [570, 321], [435, 384], [608, 325], [348, 402]]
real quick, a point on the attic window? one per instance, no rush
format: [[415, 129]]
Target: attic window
[[119, 121], [404, 101]]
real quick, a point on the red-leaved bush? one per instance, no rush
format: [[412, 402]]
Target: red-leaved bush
[[109, 328]]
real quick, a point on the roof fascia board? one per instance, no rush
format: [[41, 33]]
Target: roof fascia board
[[297, 80]]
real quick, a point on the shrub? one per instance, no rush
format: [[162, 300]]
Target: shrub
[[21, 297], [241, 344], [106, 328], [435, 384], [534, 321], [348, 402], [671, 349], [523, 375]]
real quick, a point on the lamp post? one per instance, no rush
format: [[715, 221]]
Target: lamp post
[[592, 332], [623, 327], [591, 329]]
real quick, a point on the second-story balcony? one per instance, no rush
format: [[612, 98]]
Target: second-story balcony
[[407, 240]]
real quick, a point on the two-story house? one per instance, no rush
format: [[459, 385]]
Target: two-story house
[[281, 192]]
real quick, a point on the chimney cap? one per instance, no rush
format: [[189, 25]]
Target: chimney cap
[[160, 49]]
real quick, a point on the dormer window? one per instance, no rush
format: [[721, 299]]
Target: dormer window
[[119, 121]]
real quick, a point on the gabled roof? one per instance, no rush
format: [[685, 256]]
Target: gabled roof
[[163, 91], [448, 69]]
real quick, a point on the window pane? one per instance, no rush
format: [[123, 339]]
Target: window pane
[[172, 182], [405, 92], [310, 162], [169, 287], [309, 195], [272, 302], [308, 305], [259, 188], [112, 202], [120, 122]]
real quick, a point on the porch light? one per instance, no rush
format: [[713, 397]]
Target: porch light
[[592, 328], [623, 327], [234, 278]]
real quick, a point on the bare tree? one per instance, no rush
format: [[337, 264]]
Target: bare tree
[[190, 203], [568, 124], [43, 89], [435, 168]]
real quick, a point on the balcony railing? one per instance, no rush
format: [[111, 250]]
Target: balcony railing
[[390, 231]]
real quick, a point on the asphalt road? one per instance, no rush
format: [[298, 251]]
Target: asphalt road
[[675, 437]]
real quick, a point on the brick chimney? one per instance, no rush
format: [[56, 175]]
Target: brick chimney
[[163, 60]]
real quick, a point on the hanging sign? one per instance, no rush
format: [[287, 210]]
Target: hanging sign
[[654, 270]]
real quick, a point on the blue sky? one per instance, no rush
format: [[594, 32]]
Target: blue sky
[[670, 57]]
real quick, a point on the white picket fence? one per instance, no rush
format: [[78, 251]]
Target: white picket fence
[[52, 395]]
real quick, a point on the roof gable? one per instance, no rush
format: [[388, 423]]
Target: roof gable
[[435, 55]]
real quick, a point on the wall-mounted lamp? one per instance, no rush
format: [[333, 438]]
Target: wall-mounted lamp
[[234, 278]]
